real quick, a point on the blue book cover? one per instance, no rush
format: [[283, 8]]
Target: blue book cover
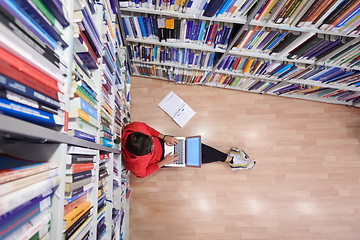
[[337, 78], [83, 135], [212, 7], [29, 114], [211, 60], [88, 60], [189, 29], [141, 24], [29, 23], [84, 106], [202, 31], [56, 8], [327, 72], [223, 7], [19, 88], [282, 69], [91, 33], [33, 13], [125, 27], [146, 27], [273, 44]]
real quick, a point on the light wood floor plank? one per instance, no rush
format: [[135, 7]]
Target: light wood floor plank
[[305, 185]]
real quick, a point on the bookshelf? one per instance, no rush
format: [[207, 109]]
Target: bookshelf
[[291, 48], [65, 96]]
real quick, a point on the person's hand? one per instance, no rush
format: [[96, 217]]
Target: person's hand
[[169, 158], [171, 141]]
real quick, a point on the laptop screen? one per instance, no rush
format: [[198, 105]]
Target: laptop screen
[[193, 151]]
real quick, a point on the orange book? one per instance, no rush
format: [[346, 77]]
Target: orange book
[[74, 204], [248, 39], [319, 10]]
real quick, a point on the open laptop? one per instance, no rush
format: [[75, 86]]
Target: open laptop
[[188, 150]]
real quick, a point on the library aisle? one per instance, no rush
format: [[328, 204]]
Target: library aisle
[[304, 186]]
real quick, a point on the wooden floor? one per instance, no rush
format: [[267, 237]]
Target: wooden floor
[[305, 185]]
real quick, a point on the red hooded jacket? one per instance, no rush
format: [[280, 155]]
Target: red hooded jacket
[[141, 166]]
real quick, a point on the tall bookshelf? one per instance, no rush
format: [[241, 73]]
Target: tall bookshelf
[[245, 61], [106, 85]]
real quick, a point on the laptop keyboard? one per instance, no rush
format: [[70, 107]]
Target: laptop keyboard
[[178, 149]]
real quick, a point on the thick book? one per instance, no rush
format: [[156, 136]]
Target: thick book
[[80, 157], [17, 184], [75, 168], [75, 214], [74, 204], [12, 168], [18, 98], [30, 114], [71, 186], [176, 108], [79, 190], [58, 11], [82, 135], [78, 225], [75, 177], [14, 199], [14, 84]]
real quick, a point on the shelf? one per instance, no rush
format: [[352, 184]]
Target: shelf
[[176, 44], [297, 29], [240, 20], [10, 125], [176, 65]]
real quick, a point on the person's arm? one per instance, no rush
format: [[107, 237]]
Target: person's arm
[[169, 140], [169, 158]]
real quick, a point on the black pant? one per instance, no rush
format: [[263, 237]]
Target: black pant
[[209, 154]]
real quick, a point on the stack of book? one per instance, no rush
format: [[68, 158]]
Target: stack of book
[[327, 15], [26, 188], [32, 84], [79, 181], [206, 8], [102, 196], [213, 34], [83, 117]]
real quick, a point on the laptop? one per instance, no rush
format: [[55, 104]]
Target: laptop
[[188, 150]]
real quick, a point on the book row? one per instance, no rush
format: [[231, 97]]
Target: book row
[[150, 26], [328, 15], [206, 8], [349, 97], [288, 71], [292, 45], [27, 186], [180, 56]]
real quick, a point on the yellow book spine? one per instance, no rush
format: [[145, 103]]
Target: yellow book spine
[[75, 214]]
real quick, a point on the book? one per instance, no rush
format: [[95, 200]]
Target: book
[[71, 186], [79, 190], [78, 225], [80, 157], [12, 168], [75, 214], [14, 199], [19, 183], [176, 108], [75, 177]]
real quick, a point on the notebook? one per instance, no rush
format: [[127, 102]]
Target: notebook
[[177, 109], [188, 150]]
